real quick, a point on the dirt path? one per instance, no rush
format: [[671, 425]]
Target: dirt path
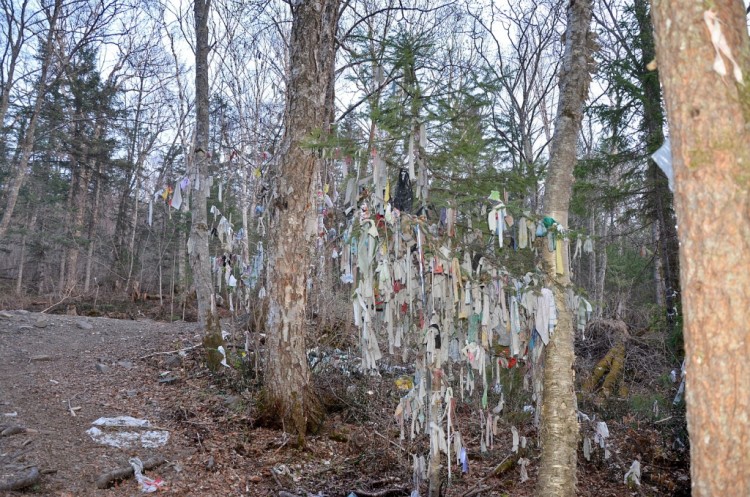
[[52, 367], [59, 373]]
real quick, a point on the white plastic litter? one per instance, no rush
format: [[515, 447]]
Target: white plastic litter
[[153, 439], [122, 421], [523, 462], [633, 476], [119, 439], [148, 485], [223, 353], [663, 159], [114, 436]]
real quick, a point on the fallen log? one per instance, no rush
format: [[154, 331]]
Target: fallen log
[[609, 370], [20, 482], [108, 479]]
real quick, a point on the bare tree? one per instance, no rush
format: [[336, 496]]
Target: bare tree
[[198, 244], [525, 66], [52, 12]]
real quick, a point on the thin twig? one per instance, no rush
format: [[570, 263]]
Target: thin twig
[[63, 300], [388, 439], [170, 352]]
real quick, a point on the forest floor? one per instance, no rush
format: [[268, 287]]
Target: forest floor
[[60, 373]]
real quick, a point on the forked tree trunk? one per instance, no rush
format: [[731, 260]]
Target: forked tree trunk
[[27, 145], [293, 213], [559, 429], [709, 117], [198, 243]]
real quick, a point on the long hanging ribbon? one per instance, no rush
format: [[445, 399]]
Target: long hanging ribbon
[[421, 267]]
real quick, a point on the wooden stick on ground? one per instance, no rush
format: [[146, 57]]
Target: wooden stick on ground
[[12, 430], [380, 493], [505, 465], [108, 479]]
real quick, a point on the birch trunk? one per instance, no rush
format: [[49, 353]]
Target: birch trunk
[[559, 429], [198, 243], [293, 224], [709, 117]]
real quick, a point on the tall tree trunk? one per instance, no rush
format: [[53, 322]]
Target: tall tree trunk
[[198, 243], [601, 264], [79, 192], [22, 257], [92, 225], [134, 230], [293, 215], [659, 286], [598, 298], [709, 117], [27, 145], [559, 430], [661, 199]]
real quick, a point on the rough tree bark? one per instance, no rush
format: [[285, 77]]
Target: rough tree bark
[[198, 243], [709, 117], [559, 428], [293, 213]]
